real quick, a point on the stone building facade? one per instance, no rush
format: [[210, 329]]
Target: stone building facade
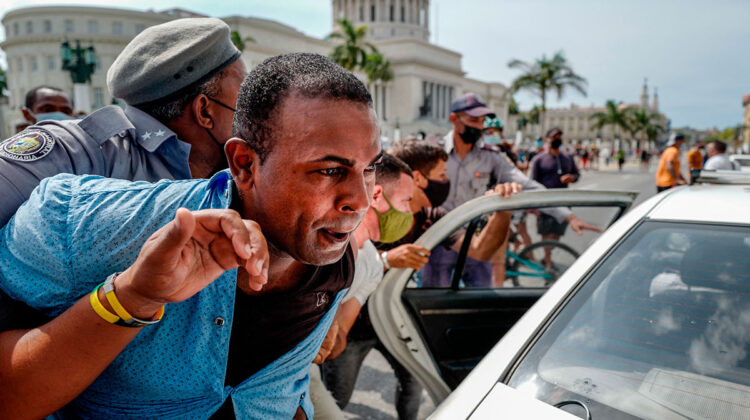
[[426, 76]]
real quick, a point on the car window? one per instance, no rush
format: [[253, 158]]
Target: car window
[[537, 251], [661, 329]]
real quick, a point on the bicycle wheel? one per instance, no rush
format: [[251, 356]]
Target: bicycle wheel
[[529, 268]]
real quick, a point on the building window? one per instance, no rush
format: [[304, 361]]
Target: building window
[[403, 14], [93, 27], [361, 13], [29, 27], [51, 65], [117, 28], [98, 98], [68, 26], [47, 26], [16, 29], [20, 65], [139, 29], [372, 13], [34, 64], [391, 13]]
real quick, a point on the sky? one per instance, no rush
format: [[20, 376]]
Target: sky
[[695, 52]]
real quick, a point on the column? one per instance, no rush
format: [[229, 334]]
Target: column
[[426, 5], [407, 9]]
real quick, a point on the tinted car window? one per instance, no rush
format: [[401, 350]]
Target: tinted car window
[[660, 329]]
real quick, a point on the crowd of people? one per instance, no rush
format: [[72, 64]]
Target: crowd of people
[[207, 251]]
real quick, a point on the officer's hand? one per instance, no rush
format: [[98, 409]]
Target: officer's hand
[[506, 189], [187, 254], [328, 343], [408, 256], [567, 179], [579, 225]]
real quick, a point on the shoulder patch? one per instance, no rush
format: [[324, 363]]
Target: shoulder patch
[[28, 145]]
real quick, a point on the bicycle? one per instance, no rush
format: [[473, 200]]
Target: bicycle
[[524, 270]]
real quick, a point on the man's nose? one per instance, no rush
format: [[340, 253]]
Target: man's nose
[[356, 196]]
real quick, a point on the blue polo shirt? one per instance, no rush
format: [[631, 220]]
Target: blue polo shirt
[[76, 230]]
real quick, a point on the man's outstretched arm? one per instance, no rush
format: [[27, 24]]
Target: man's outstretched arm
[[43, 369]]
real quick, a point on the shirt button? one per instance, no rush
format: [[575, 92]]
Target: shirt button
[[219, 321]]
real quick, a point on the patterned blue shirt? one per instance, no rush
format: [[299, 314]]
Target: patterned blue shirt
[[76, 230]]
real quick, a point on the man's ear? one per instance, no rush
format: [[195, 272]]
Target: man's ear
[[453, 117], [201, 112], [243, 162], [28, 115], [419, 179], [377, 192]]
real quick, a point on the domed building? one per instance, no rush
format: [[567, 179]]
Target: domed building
[[426, 76]]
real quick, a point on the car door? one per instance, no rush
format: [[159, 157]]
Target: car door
[[440, 333]]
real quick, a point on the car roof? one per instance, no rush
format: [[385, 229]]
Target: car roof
[[726, 204]]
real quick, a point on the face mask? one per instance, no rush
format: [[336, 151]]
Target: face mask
[[492, 139], [556, 143], [223, 163], [437, 191], [394, 224], [55, 116], [470, 134]]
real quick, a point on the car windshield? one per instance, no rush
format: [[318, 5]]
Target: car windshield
[[660, 329]]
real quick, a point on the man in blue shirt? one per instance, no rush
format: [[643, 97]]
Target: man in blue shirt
[[302, 174]]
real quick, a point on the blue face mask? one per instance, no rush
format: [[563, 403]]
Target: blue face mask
[[55, 116], [492, 139]]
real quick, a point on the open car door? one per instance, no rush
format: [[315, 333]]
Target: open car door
[[440, 334]]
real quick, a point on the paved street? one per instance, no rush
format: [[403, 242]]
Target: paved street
[[374, 394]]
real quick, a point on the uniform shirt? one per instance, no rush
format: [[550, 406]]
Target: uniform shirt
[[76, 230], [547, 169], [112, 142], [663, 177], [480, 171]]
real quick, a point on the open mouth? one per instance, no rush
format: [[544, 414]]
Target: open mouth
[[335, 236]]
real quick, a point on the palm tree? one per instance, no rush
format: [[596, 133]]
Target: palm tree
[[239, 41], [646, 124], [545, 75], [377, 67], [351, 54], [611, 116]]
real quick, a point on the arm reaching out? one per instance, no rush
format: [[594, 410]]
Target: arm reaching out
[[45, 368]]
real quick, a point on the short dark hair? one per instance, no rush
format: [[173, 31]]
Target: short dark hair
[[719, 145], [275, 79], [390, 170], [32, 94], [420, 155], [173, 106]]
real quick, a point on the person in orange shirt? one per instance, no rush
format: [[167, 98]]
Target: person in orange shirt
[[695, 156], [668, 174]]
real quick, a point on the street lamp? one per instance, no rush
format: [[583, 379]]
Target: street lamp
[[81, 63]]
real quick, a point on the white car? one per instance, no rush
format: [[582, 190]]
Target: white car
[[742, 160], [651, 321]]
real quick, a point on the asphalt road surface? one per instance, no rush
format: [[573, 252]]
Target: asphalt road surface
[[374, 395]]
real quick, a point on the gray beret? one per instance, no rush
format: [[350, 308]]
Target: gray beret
[[164, 59]]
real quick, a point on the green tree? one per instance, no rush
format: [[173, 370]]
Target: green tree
[[513, 107], [353, 52], [644, 124], [611, 116], [3, 82], [377, 67], [546, 75], [239, 41]]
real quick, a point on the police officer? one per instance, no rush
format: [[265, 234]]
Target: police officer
[[474, 169], [179, 80]]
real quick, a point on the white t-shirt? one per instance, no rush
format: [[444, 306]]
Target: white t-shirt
[[720, 161], [368, 271]]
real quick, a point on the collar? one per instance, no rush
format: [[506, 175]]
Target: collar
[[150, 133], [221, 185]]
